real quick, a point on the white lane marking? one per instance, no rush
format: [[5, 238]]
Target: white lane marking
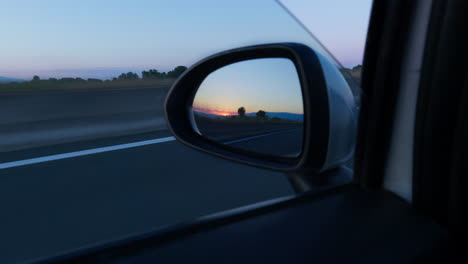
[[18, 163], [258, 136]]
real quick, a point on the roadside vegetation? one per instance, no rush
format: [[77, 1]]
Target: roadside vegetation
[[150, 78], [353, 73]]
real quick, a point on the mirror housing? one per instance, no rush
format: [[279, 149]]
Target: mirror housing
[[329, 109]]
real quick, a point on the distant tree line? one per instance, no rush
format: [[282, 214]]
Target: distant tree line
[[150, 77], [155, 74], [129, 76]]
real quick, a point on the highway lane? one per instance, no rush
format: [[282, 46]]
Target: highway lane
[[63, 204], [284, 143], [34, 119]]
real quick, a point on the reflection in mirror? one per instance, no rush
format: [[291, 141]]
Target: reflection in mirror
[[253, 105]]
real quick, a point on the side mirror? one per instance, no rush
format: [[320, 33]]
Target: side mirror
[[279, 106]]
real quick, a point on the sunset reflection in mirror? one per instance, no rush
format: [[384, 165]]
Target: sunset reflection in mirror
[[255, 105], [270, 84]]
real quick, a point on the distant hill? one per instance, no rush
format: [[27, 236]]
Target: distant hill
[[282, 115], [7, 80]]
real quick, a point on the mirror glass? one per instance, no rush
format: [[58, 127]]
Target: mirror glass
[[254, 105]]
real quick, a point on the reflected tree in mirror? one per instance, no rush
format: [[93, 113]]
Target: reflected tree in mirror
[[253, 105]]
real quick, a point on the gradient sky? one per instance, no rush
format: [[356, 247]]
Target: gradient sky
[[271, 85], [88, 38], [340, 25]]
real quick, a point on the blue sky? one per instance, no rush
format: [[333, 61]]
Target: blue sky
[[88, 38]]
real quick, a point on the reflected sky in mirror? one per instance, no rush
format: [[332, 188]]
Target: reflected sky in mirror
[[270, 84]]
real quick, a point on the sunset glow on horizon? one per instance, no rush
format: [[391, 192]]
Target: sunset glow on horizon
[[213, 111], [225, 112], [270, 85]]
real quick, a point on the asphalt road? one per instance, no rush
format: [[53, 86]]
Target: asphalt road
[[63, 204], [283, 143], [35, 119]]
